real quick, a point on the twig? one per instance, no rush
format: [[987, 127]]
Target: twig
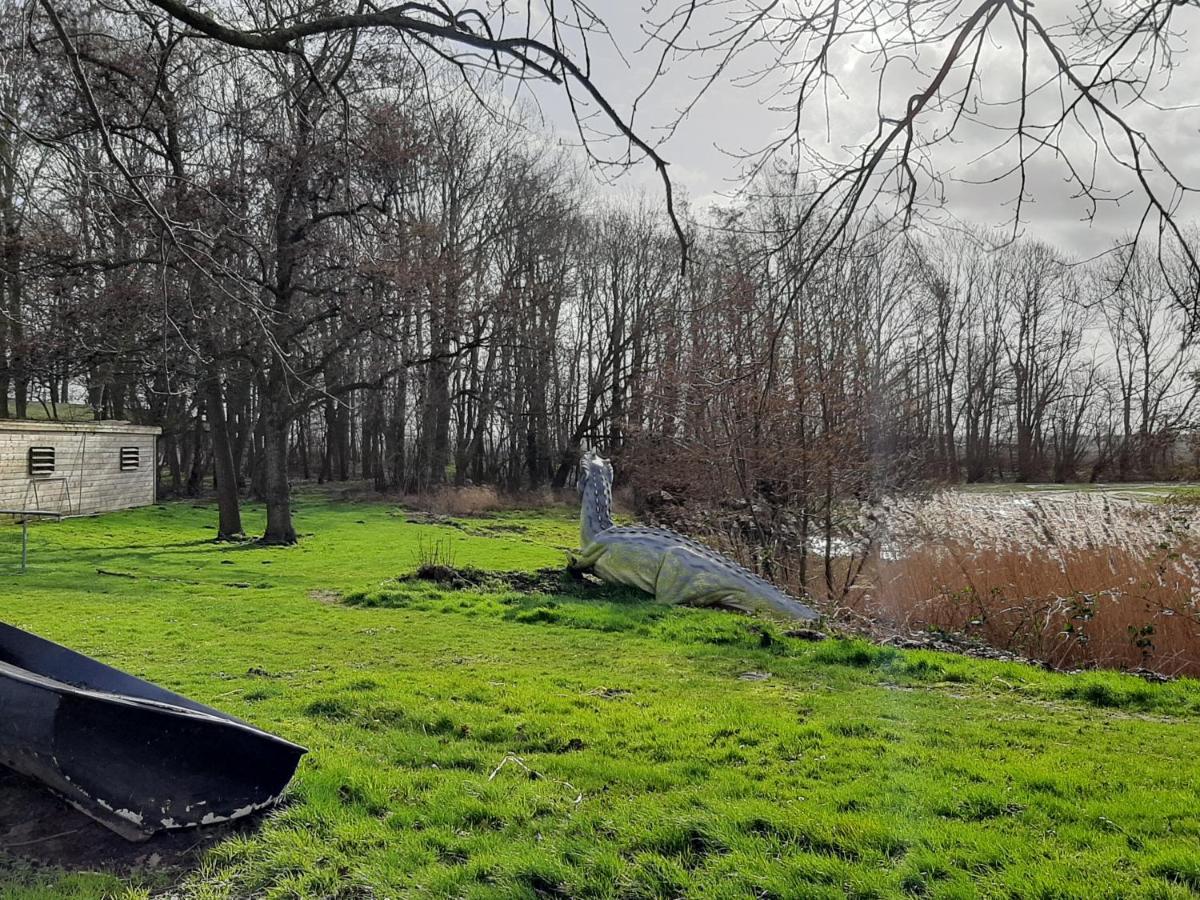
[[517, 761], [49, 837]]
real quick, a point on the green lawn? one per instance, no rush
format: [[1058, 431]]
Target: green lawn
[[590, 743], [61, 412]]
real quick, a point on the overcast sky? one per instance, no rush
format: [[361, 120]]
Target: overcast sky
[[731, 119]]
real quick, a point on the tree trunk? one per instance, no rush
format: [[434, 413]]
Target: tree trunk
[[196, 469], [438, 418], [171, 452], [276, 492], [16, 322], [229, 517]]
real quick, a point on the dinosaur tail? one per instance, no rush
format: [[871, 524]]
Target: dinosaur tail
[[787, 605]]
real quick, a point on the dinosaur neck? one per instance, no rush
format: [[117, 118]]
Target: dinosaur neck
[[596, 513]]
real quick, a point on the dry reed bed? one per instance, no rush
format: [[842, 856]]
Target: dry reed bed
[[1077, 580]]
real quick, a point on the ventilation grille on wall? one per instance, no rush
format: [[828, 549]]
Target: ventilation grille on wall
[[130, 458], [41, 460]]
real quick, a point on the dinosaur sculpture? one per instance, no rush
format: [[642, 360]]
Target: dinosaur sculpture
[[673, 568]]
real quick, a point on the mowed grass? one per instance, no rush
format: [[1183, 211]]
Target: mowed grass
[[591, 743]]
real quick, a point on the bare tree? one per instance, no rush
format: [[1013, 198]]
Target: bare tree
[[1062, 86], [1153, 356]]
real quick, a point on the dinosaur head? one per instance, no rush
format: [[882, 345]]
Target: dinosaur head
[[594, 469]]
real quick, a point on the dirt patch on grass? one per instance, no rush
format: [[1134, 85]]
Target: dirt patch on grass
[[498, 530], [526, 596], [543, 581], [424, 517], [609, 693], [39, 830]]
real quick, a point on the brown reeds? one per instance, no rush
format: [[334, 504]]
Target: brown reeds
[[1072, 579], [1075, 580]]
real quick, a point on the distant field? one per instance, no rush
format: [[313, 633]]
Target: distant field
[[492, 742], [63, 412], [1148, 490]]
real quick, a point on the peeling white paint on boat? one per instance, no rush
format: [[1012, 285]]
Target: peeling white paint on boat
[[213, 818], [171, 822], [127, 814]]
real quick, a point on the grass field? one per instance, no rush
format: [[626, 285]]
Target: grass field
[[588, 743]]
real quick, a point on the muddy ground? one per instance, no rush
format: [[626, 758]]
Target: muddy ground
[[40, 830]]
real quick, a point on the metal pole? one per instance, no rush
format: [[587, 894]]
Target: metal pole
[[24, 515]]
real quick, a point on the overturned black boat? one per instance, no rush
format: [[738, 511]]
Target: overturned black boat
[[133, 756]]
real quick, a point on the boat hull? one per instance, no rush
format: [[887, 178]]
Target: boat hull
[[135, 757]]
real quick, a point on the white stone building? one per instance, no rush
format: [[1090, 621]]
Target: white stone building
[[77, 468]]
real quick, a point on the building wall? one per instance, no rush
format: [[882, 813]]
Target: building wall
[[87, 474]]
